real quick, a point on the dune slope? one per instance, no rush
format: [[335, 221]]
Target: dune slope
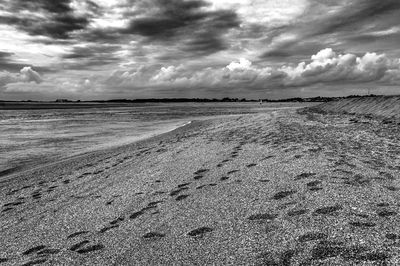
[[383, 106]]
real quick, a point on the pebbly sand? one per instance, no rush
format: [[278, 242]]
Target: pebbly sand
[[284, 188]]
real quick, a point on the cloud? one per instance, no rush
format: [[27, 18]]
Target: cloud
[[26, 75], [325, 67], [85, 56], [334, 24], [242, 64], [329, 67], [198, 30], [54, 19]]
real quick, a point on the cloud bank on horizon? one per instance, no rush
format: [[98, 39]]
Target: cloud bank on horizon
[[102, 49]]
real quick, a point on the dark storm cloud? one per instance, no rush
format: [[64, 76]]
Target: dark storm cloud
[[352, 22], [60, 19], [294, 49], [101, 36], [168, 18], [186, 22], [92, 55], [7, 64], [358, 13]]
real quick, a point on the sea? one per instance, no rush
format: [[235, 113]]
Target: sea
[[33, 137]]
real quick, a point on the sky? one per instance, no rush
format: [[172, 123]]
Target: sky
[[114, 49]]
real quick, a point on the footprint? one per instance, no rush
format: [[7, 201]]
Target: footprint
[[304, 175], [328, 209], [280, 258], [383, 204], [34, 262], [362, 224], [36, 195], [200, 231], [153, 235], [13, 203], [268, 157], [223, 178], [201, 186], [177, 191], [251, 165], [392, 188], [78, 245], [154, 203], [297, 212], [183, 185], [119, 219], [386, 213], [49, 251], [201, 171], [326, 249], [90, 249], [7, 209], [362, 215], [181, 197], [313, 183], [283, 194], [233, 171], [392, 236], [107, 228], [312, 236], [34, 249], [262, 216], [375, 256], [197, 177], [136, 215], [77, 234]]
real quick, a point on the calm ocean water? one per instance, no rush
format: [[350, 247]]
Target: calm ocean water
[[33, 137]]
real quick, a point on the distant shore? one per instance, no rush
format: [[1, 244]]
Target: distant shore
[[68, 104]]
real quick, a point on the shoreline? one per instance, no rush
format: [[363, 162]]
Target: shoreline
[[20, 170]]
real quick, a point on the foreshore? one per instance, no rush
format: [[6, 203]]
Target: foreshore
[[277, 188]]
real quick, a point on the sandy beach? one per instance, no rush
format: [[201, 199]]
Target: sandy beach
[[287, 187]]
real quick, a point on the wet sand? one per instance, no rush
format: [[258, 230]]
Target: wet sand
[[283, 188]]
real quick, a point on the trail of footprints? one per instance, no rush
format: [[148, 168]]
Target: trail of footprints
[[46, 188], [42, 253], [321, 247]]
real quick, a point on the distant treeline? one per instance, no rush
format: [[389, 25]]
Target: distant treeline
[[227, 99], [177, 100], [206, 100]]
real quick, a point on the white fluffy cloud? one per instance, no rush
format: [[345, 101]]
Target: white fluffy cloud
[[327, 66], [26, 75], [242, 64]]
